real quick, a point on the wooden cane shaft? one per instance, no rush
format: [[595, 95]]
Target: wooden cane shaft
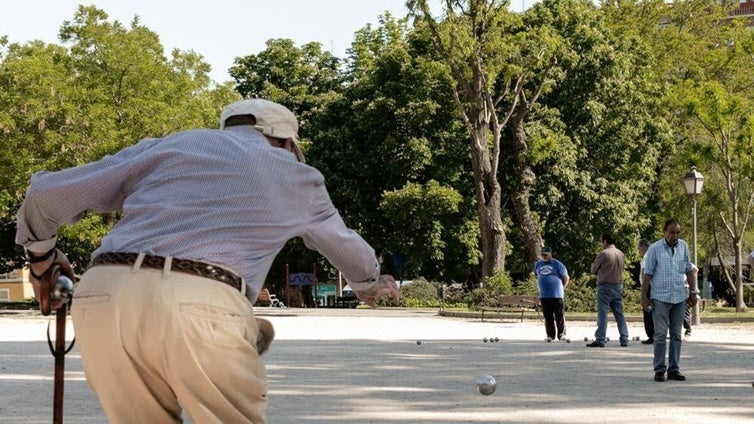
[[60, 318]]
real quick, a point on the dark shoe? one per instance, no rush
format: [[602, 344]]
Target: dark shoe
[[648, 341], [594, 344], [677, 376], [660, 376], [688, 333], [624, 344]]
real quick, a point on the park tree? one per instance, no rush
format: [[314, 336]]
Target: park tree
[[555, 101], [596, 134], [384, 134], [701, 53], [103, 88], [392, 151], [498, 76], [720, 136]]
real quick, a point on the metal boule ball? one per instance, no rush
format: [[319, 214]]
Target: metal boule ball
[[486, 384]]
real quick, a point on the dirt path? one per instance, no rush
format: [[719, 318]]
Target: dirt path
[[346, 366]]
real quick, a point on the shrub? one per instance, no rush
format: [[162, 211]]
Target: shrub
[[500, 281], [494, 286], [419, 294], [527, 288], [581, 296]]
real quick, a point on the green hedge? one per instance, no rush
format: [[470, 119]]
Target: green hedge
[[580, 295]]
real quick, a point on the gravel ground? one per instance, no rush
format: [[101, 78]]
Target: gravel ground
[[412, 366]]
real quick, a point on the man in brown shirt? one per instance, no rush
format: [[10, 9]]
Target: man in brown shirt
[[609, 266]]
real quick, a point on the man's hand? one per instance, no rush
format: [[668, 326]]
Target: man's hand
[[369, 293], [40, 269], [646, 303], [693, 298]]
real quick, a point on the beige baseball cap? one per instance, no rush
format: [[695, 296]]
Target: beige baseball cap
[[273, 119]]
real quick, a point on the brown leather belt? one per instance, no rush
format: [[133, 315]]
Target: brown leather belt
[[185, 266]]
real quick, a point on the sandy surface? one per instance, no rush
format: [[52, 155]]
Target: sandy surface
[[367, 366]]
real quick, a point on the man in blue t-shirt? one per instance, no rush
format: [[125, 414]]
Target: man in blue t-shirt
[[552, 279]]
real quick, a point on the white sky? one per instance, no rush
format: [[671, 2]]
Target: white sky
[[219, 30]]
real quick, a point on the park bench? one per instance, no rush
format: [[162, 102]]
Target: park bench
[[267, 299], [513, 303]]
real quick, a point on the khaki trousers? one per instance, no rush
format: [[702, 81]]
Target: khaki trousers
[[153, 342]]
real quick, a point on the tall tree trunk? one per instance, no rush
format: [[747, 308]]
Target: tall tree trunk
[[488, 191], [524, 183], [738, 248]]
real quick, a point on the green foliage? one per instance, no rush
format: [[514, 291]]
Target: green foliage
[[107, 86], [484, 296], [594, 149], [421, 293], [500, 281], [495, 285], [425, 212], [527, 287], [392, 140], [581, 295], [627, 105]]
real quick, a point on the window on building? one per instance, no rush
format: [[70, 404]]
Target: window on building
[[4, 295]]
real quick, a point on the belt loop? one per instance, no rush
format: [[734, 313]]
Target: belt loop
[[243, 287], [167, 267], [137, 262]]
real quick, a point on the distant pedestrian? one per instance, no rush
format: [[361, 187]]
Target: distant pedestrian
[[687, 314], [609, 265], [552, 279], [649, 326], [666, 262]]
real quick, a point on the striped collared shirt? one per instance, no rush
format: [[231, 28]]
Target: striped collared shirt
[[224, 197], [668, 267]]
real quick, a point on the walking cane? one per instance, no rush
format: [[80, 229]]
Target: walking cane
[[57, 286]]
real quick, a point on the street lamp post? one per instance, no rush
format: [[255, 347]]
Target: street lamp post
[[693, 182]]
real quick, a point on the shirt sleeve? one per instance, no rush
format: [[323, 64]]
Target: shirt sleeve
[[650, 261], [343, 247], [63, 197], [689, 265], [597, 261], [563, 270]]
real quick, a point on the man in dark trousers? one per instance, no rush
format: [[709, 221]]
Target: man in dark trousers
[[649, 326], [552, 279]]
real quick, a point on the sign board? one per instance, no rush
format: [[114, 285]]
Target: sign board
[[301, 279]]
